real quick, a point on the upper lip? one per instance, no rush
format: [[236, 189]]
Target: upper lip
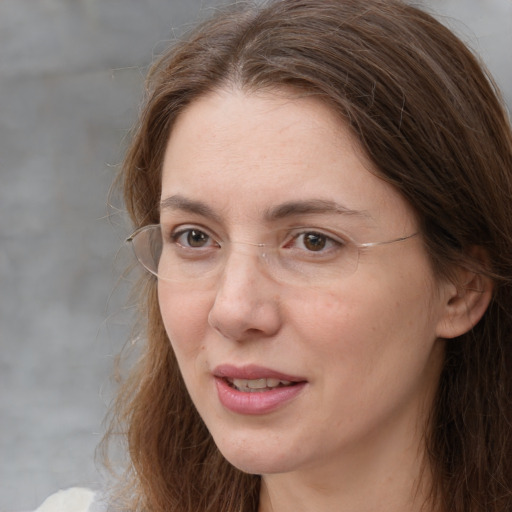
[[250, 372]]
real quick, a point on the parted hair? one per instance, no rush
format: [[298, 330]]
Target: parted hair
[[431, 120]]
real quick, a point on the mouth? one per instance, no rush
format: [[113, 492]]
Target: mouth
[[253, 390]]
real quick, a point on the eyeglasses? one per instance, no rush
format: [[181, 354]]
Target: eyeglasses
[[302, 256]]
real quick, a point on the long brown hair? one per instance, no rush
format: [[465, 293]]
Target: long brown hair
[[431, 120]]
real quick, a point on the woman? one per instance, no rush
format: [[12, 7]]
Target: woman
[[321, 195]]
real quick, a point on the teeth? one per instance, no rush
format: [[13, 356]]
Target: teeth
[[254, 385], [272, 383]]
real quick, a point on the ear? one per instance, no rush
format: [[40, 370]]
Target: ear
[[466, 298]]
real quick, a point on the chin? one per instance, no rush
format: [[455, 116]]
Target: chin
[[257, 459], [258, 467]]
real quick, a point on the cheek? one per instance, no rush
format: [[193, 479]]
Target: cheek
[[185, 317], [360, 325], [339, 316], [370, 355]]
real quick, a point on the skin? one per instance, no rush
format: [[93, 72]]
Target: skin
[[367, 344]]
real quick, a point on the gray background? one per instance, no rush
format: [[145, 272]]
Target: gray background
[[71, 76]]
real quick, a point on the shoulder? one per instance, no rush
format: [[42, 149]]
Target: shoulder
[[76, 499]]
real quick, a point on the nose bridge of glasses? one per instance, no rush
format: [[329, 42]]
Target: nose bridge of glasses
[[261, 250], [246, 244], [241, 261]]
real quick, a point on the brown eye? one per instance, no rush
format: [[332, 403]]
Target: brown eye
[[314, 241], [196, 238], [192, 238]]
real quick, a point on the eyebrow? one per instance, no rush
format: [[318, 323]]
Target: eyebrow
[[178, 202], [311, 206], [281, 211]]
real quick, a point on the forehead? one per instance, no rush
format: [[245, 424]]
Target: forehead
[[247, 153]]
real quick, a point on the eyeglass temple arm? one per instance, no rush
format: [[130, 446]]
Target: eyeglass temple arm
[[387, 242]]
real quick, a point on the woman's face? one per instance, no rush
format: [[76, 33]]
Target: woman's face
[[301, 373]]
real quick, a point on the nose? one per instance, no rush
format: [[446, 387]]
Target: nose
[[247, 302]]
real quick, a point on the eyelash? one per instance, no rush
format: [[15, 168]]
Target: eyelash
[[176, 235], [330, 242]]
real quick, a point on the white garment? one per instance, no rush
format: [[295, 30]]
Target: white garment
[[76, 499]]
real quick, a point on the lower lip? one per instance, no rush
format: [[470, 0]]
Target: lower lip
[[258, 402]]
